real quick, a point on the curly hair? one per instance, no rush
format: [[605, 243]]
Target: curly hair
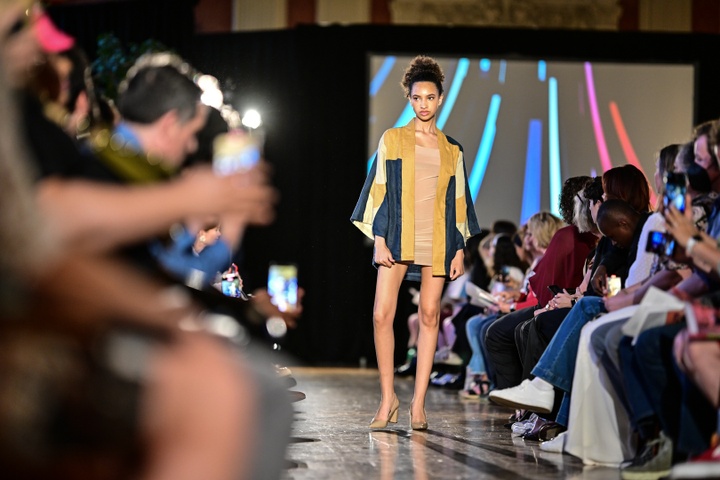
[[570, 189], [422, 69]]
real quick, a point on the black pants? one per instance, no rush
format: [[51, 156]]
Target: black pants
[[502, 351], [532, 336]]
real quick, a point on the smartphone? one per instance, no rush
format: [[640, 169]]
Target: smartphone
[[554, 289], [283, 286], [675, 189], [660, 243], [235, 151]]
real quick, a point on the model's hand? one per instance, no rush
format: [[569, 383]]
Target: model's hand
[[382, 253], [457, 266]]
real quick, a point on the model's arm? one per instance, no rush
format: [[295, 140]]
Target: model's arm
[[98, 217]]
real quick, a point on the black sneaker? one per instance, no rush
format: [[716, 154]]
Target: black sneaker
[[653, 463]]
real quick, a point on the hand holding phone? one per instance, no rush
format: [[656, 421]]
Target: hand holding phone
[[675, 190], [235, 151], [283, 286], [660, 243]]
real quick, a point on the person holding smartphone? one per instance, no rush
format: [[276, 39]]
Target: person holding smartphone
[[417, 172]]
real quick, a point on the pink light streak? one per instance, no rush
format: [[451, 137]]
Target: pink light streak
[[626, 144], [597, 124]]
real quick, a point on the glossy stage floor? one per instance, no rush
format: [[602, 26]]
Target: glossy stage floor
[[331, 439]]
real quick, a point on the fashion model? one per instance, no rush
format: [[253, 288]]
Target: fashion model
[[416, 206]]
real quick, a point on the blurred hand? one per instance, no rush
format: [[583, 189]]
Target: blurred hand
[[246, 195], [262, 302], [621, 300]]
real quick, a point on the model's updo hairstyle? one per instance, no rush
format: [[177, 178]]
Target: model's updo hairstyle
[[422, 69]]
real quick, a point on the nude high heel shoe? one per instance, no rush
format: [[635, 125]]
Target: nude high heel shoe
[[392, 416], [418, 425]]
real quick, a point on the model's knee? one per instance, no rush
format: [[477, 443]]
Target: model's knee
[[382, 319], [429, 316]]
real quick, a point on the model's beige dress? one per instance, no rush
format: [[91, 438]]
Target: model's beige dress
[[427, 168]]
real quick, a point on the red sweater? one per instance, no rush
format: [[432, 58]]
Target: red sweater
[[563, 262]]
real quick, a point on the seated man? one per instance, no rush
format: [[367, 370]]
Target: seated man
[[619, 222]]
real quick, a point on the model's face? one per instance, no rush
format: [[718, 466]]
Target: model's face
[[425, 100]]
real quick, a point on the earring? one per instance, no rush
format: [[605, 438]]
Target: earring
[[202, 238]]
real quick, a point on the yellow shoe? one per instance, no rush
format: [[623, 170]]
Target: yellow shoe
[[392, 416], [418, 425]]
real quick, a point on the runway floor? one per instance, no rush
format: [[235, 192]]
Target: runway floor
[[331, 439]]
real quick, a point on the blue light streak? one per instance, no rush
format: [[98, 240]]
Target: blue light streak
[[381, 75], [554, 146], [449, 102], [486, 143], [533, 171]]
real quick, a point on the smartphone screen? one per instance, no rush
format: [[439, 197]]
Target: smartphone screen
[[660, 243], [235, 151], [675, 189], [283, 286]]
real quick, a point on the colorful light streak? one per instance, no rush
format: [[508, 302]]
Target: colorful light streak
[[381, 75], [627, 147], [595, 115], [533, 171], [501, 73], [542, 70], [554, 146], [486, 143], [449, 102]]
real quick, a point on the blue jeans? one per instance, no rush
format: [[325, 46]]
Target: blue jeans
[[473, 327], [557, 365]]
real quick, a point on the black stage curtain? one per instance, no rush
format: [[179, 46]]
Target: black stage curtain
[[171, 22], [310, 85]]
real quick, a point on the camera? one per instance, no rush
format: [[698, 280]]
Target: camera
[[660, 243]]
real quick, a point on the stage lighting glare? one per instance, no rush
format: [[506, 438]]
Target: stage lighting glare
[[252, 119], [207, 82], [212, 98]]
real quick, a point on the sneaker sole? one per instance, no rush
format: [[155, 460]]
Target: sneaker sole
[[509, 403], [654, 475]]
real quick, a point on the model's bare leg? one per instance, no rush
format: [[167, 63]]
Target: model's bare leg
[[429, 310], [386, 296]]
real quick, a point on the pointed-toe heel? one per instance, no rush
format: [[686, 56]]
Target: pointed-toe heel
[[392, 417], [418, 425]]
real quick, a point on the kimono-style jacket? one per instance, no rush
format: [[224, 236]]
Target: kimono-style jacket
[[386, 206]]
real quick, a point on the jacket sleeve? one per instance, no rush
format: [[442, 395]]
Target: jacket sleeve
[[466, 218], [370, 214]]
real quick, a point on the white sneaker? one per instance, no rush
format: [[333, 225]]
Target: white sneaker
[[556, 445], [525, 396]]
